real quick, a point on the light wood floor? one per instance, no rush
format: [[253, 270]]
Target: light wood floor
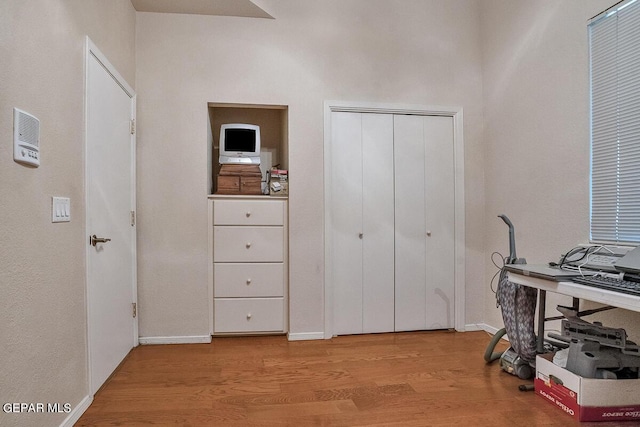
[[405, 379]]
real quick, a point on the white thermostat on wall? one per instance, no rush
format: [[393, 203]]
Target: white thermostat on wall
[[26, 138]]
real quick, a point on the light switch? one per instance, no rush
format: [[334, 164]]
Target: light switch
[[60, 209]]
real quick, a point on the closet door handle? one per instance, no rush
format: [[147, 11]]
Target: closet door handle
[[360, 235]]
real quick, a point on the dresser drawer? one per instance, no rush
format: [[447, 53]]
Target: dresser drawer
[[248, 280], [248, 244], [248, 315], [248, 212]]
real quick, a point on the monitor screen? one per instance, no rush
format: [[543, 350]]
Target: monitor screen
[[240, 140]]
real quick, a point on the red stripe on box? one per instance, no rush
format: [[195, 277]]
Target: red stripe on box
[[611, 413], [558, 395]]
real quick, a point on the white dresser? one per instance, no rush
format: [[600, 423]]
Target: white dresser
[[248, 238]]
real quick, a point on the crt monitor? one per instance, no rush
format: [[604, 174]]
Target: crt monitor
[[239, 143]]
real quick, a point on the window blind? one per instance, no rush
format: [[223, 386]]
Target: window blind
[[614, 44]]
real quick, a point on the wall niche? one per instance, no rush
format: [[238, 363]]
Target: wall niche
[[273, 122]]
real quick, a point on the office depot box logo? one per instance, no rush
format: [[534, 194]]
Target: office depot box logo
[[559, 396]]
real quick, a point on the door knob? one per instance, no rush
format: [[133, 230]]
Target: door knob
[[360, 235], [429, 233], [95, 240]]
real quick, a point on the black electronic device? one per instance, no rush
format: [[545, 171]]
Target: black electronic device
[[595, 258], [610, 283]]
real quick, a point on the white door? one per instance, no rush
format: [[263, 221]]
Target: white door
[[377, 223], [424, 222], [440, 222], [392, 222], [410, 238], [110, 184], [346, 207], [362, 214]]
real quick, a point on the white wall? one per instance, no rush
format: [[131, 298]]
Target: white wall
[[42, 269], [394, 51], [523, 86], [536, 99]]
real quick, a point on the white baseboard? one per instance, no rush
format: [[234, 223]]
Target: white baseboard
[[303, 336], [197, 339], [481, 327], [484, 327], [470, 327], [77, 412]]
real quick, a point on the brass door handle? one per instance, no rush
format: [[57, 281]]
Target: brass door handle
[[95, 240]]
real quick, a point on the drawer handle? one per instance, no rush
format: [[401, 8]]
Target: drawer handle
[[248, 214], [248, 316], [248, 245], [248, 281]]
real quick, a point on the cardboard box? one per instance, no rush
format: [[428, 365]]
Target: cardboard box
[[279, 182], [586, 399]]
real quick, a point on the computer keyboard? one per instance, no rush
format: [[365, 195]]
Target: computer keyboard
[[610, 283]]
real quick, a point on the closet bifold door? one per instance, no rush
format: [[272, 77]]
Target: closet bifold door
[[377, 223], [424, 222], [440, 222], [362, 222]]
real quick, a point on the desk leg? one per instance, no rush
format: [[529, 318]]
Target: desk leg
[[542, 303], [576, 304]]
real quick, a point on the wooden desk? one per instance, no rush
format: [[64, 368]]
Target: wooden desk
[[577, 292]]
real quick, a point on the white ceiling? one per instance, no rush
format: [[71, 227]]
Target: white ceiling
[[245, 8]]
